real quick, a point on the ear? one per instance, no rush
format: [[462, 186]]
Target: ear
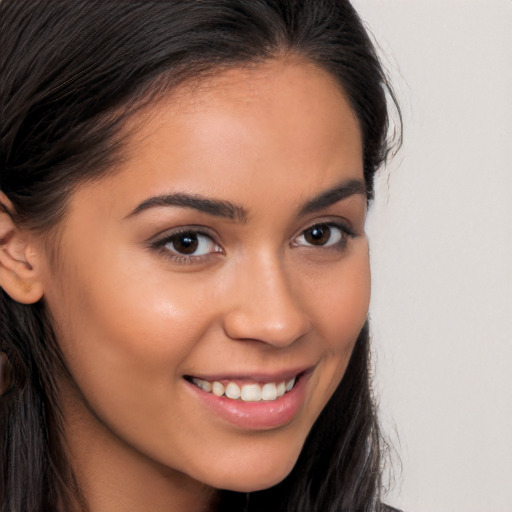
[[19, 273]]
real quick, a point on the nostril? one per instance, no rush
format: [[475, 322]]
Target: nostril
[[278, 328], [265, 305]]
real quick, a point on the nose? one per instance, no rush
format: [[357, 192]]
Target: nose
[[266, 306]]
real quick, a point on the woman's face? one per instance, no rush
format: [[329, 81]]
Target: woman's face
[[227, 255]]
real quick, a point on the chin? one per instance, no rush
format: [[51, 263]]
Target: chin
[[250, 479]]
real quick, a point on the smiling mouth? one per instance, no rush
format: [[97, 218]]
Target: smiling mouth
[[248, 392]]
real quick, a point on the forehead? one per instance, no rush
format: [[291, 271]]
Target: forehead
[[243, 130]]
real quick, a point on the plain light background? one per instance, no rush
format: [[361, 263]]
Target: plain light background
[[441, 247]]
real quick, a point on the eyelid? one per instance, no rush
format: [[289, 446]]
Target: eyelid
[[338, 222], [343, 225], [192, 228], [159, 242]]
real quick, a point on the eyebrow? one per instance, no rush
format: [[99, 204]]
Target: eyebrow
[[218, 208], [229, 210], [333, 195]]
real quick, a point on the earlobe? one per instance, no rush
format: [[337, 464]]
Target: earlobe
[[19, 276]]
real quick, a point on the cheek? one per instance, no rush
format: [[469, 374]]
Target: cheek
[[353, 300], [340, 303], [126, 330], [125, 341], [341, 300]]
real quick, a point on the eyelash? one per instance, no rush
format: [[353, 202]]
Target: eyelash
[[345, 232], [183, 259]]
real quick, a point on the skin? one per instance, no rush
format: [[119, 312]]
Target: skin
[[133, 319]]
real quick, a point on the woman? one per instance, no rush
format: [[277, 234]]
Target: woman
[[184, 269]]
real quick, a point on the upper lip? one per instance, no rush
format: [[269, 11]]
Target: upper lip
[[278, 376]]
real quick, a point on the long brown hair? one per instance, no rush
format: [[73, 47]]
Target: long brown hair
[[71, 73]]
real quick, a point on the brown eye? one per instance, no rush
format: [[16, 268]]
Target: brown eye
[[190, 244], [322, 235], [185, 243], [318, 235]]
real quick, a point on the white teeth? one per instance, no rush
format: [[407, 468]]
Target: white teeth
[[203, 384], [269, 391], [233, 391], [248, 392], [218, 389], [251, 393]]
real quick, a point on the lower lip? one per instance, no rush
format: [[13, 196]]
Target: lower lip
[[262, 415]]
